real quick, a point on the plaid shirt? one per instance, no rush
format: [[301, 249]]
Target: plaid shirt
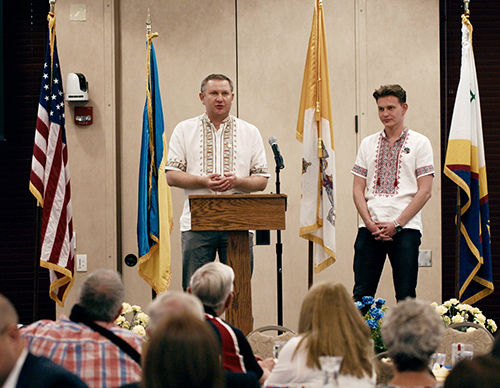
[[83, 351]]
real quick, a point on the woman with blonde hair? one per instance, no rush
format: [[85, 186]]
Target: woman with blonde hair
[[330, 325]]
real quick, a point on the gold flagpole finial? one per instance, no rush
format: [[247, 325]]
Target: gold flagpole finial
[[52, 4], [148, 23], [466, 7]]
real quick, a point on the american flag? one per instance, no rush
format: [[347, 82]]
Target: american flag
[[49, 180]]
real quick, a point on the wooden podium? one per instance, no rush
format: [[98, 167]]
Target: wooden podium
[[237, 214]]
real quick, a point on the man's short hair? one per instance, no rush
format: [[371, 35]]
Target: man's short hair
[[212, 283], [390, 90], [221, 77], [173, 303], [102, 294]]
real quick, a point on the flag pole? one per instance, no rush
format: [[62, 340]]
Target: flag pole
[[458, 211], [317, 168], [149, 37], [317, 118], [467, 168], [318, 81], [36, 261], [466, 7], [38, 231], [458, 221], [148, 24], [154, 221]]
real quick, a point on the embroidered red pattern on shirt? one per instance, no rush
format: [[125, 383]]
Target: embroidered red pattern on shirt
[[425, 170], [388, 165]]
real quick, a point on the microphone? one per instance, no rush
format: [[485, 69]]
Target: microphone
[[277, 154]]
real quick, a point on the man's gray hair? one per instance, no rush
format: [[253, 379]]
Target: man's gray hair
[[212, 283], [173, 303], [412, 330], [102, 294]]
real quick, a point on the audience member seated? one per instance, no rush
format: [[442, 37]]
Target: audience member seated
[[412, 331], [182, 352], [76, 345], [21, 369], [213, 285], [170, 304], [480, 372], [330, 325]]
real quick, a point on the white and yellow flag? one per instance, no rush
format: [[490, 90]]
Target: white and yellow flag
[[314, 131]]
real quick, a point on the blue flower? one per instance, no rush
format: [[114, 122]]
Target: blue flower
[[374, 318], [376, 313], [380, 302]]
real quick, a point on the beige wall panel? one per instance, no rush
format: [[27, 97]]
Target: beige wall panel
[[195, 39], [402, 46], [273, 42], [86, 47]]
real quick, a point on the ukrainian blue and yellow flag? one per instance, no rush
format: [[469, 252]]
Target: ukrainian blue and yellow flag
[[154, 221], [466, 166]]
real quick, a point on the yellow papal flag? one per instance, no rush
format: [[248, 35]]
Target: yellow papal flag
[[314, 131]]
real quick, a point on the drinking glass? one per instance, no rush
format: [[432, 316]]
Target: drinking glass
[[331, 366], [460, 351], [437, 360]]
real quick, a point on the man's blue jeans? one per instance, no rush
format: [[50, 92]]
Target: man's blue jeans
[[369, 260]]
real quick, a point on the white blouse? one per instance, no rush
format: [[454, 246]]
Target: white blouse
[[294, 371]]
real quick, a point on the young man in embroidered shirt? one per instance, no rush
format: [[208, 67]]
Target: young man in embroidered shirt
[[208, 154], [393, 177]]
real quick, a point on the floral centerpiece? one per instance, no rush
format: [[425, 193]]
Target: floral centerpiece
[[375, 312], [138, 319], [452, 311]]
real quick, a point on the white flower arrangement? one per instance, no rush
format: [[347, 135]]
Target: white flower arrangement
[[138, 322], [452, 311]]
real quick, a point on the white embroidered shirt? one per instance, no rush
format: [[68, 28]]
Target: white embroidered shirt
[[198, 148], [391, 173]]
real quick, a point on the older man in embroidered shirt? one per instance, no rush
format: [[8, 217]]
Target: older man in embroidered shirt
[[393, 177], [213, 153], [83, 351]]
